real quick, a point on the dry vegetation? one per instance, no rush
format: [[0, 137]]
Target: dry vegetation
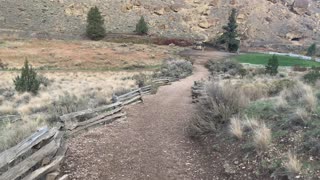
[[73, 76], [267, 115], [85, 55]]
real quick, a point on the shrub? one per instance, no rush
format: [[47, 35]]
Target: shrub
[[222, 102], [311, 51], [141, 80], [65, 104], [28, 80], [311, 77], [299, 68], [3, 65], [272, 66], [142, 27], [175, 41], [225, 66], [300, 94], [262, 137], [95, 25], [176, 68], [279, 85]]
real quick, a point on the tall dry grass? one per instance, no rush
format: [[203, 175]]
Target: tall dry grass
[[236, 127], [293, 165], [262, 137], [300, 94]]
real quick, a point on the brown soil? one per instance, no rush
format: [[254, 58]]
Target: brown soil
[[151, 143]]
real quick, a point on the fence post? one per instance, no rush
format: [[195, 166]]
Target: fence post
[[140, 92]]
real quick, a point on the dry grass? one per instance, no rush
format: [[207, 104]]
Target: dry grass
[[82, 54], [293, 165], [254, 91], [262, 137], [13, 133], [92, 85], [251, 123], [303, 114], [302, 94], [236, 128]]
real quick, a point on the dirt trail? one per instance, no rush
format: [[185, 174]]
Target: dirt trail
[[150, 143]]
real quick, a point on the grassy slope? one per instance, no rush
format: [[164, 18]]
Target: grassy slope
[[262, 59]]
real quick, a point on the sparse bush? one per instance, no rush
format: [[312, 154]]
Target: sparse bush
[[312, 50], [311, 77], [95, 25], [142, 27], [272, 66], [262, 137], [279, 85], [299, 68], [43, 80], [176, 68], [27, 81], [225, 66], [3, 65], [65, 104], [236, 128], [142, 80]]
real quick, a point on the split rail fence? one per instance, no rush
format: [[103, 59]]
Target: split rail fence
[[39, 156]]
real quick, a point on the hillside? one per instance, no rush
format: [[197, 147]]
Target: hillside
[[262, 22]]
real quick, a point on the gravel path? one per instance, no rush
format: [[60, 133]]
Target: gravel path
[[150, 143]]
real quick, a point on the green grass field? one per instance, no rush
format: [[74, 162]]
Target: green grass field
[[262, 59]]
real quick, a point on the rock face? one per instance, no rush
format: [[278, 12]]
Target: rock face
[[261, 22]]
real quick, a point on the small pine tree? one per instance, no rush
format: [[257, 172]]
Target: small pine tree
[[95, 25], [229, 37], [312, 50], [272, 66], [27, 81], [142, 27]]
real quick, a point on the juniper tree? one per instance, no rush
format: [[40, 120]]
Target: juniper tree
[[312, 50], [142, 27], [95, 25], [272, 66], [229, 37], [27, 81]]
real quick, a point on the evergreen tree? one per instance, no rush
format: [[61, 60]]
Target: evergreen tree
[[27, 81], [95, 25], [142, 27], [229, 37], [272, 66], [312, 50]]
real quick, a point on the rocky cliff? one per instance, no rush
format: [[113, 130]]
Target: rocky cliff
[[260, 21]]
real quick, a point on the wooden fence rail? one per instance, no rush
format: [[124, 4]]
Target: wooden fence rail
[[43, 151], [39, 156]]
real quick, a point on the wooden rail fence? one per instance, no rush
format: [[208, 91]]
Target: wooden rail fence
[[39, 156], [35, 157]]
